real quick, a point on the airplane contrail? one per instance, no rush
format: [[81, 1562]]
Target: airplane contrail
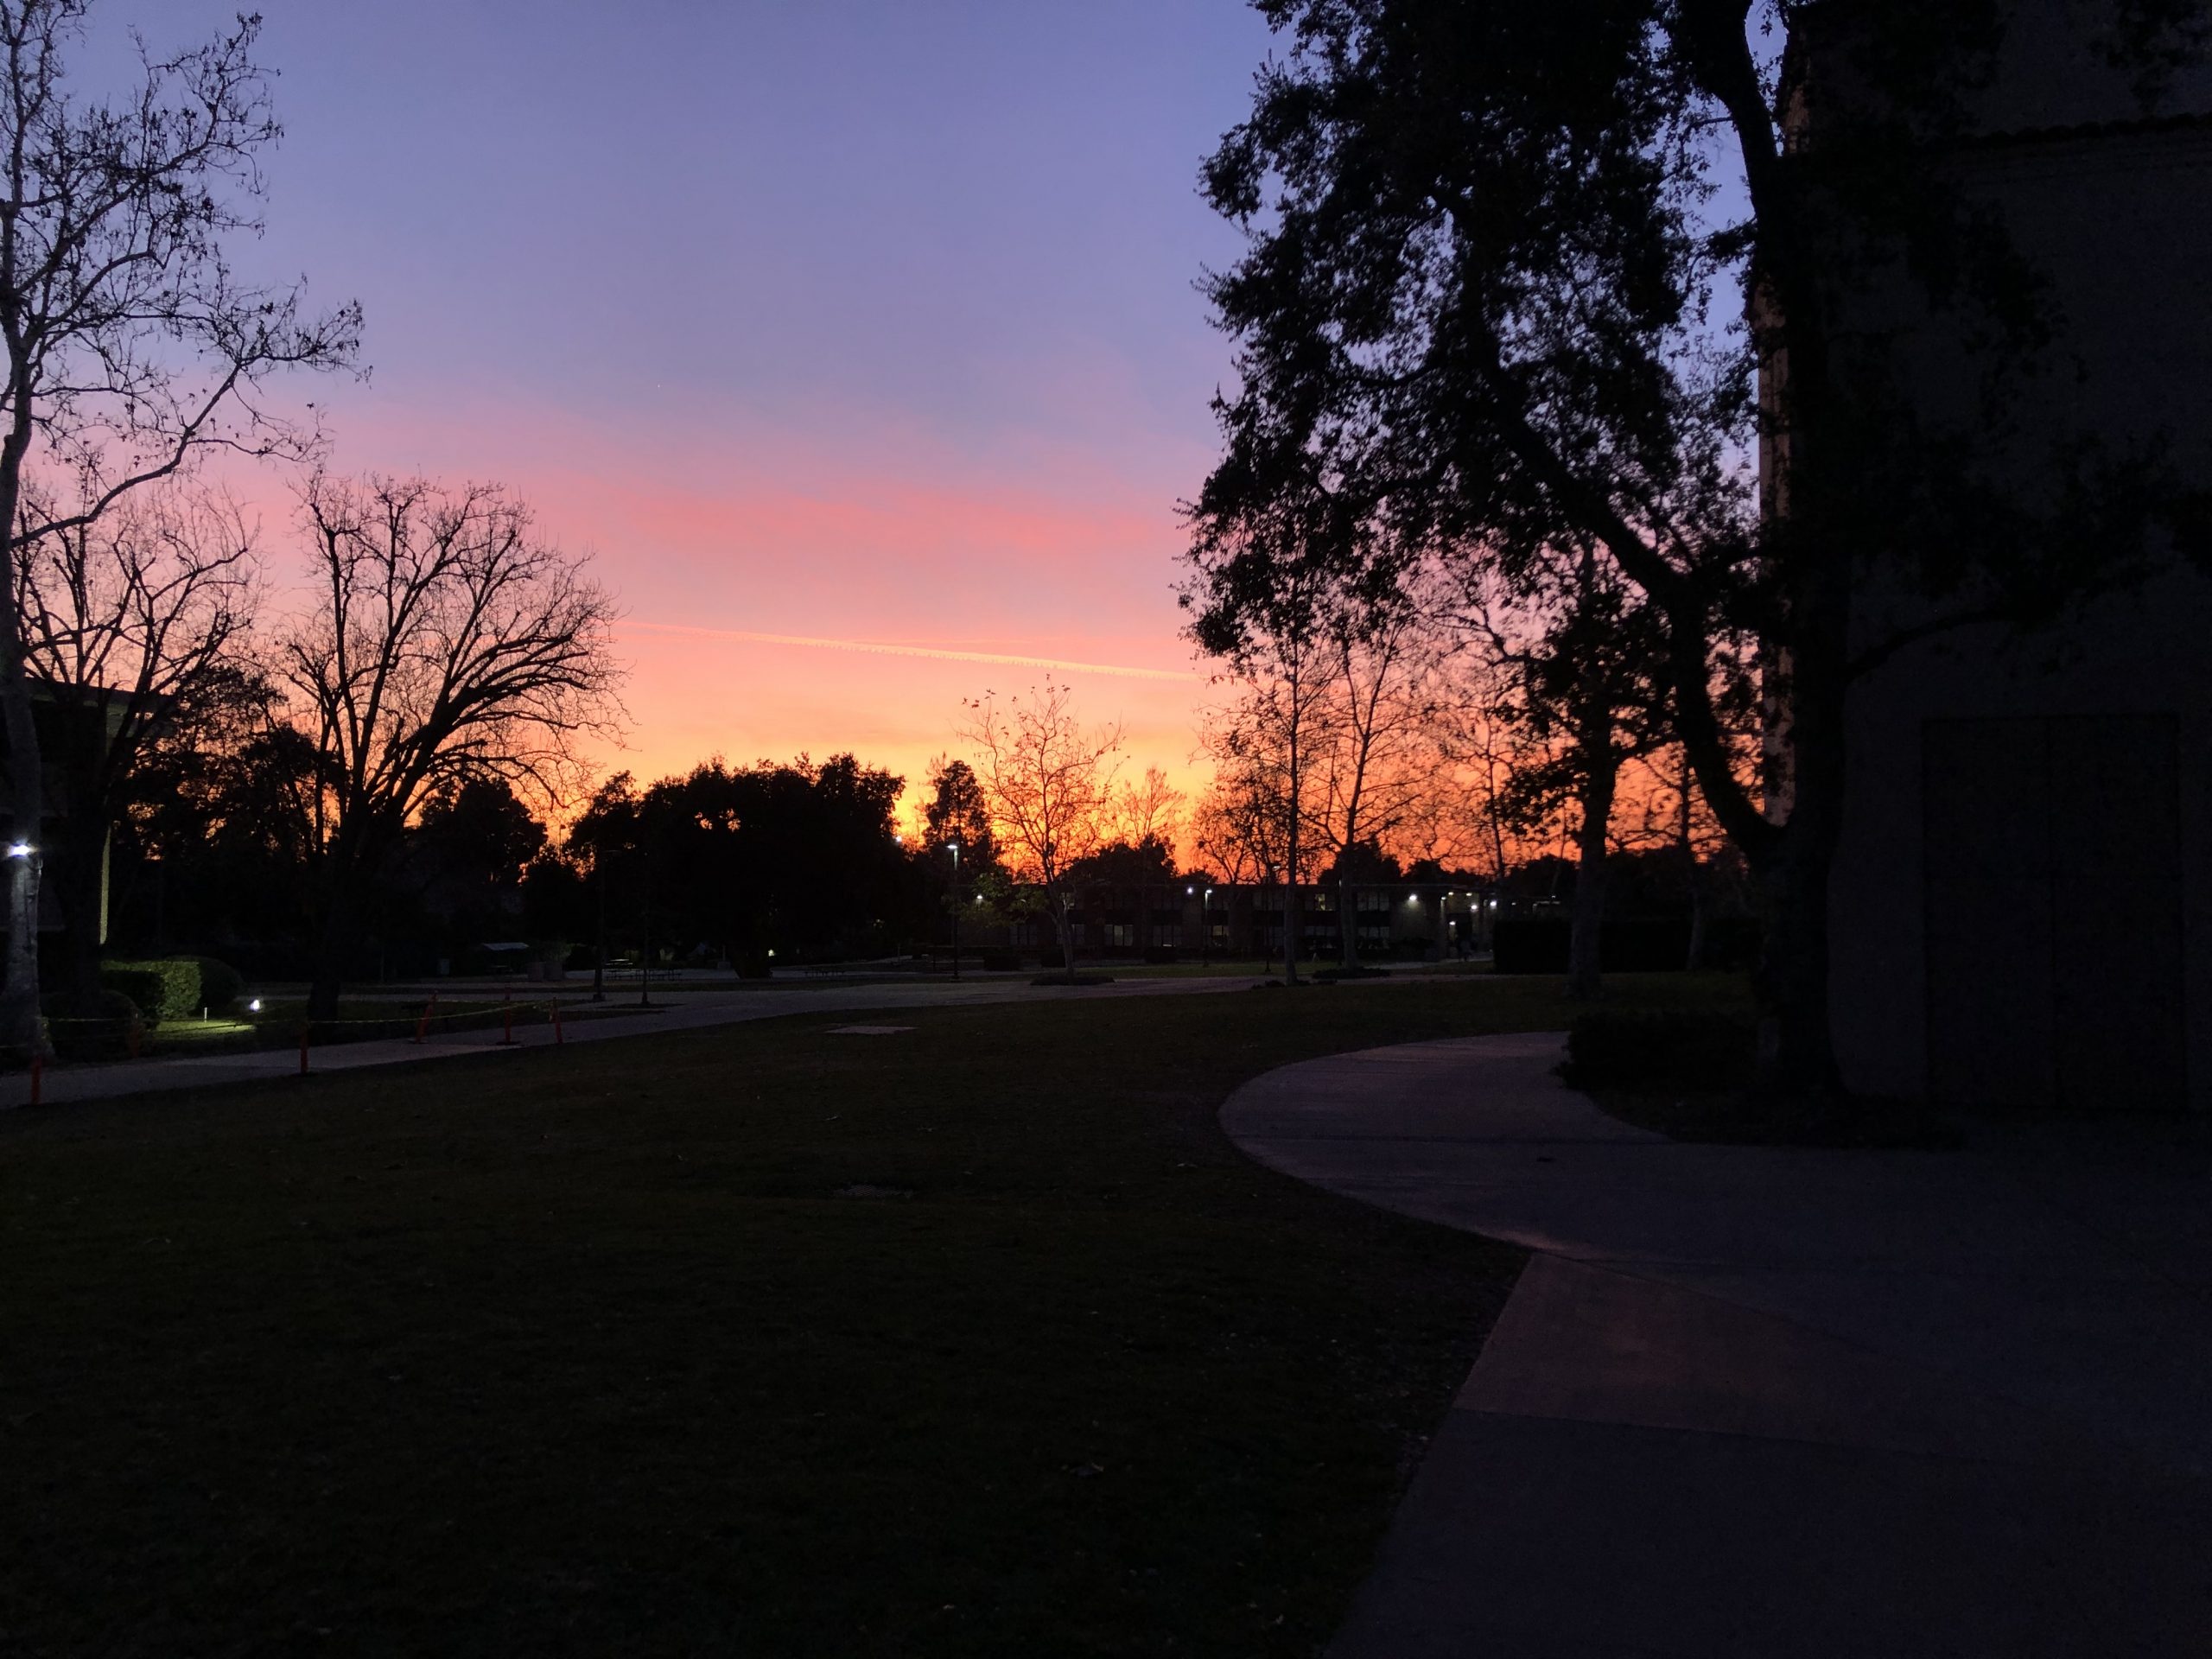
[[996, 659]]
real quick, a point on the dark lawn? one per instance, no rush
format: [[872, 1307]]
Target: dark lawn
[[584, 1351]]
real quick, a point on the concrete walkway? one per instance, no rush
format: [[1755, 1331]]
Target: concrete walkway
[[1778, 1403], [680, 1011]]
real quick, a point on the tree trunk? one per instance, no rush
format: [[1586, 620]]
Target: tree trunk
[[1593, 841], [1798, 1056], [1797, 1067], [80, 855], [1585, 935], [1693, 876], [345, 866], [330, 954], [1693, 959], [1345, 927]]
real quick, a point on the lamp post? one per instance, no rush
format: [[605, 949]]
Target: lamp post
[[954, 846], [22, 894]]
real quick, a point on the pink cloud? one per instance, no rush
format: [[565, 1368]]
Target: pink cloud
[[728, 543]]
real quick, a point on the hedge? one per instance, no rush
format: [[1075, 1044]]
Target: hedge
[[167, 989], [220, 984]]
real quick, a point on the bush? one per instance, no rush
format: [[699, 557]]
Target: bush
[[220, 984], [167, 989], [137, 984], [1646, 1048], [1161, 954], [1001, 961], [112, 1031]]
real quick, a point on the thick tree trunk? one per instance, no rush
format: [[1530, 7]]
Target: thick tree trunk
[[1693, 958], [78, 873], [1797, 1068], [1586, 929], [332, 946], [1593, 841], [1692, 876], [1346, 927]]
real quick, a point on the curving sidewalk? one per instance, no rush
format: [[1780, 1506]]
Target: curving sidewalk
[[1774, 1402], [690, 1011]]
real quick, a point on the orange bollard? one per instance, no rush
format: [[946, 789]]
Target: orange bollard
[[422, 1025], [507, 1036], [38, 1074], [557, 1025], [303, 1048]]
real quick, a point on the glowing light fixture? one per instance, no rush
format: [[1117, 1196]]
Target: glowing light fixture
[[19, 849]]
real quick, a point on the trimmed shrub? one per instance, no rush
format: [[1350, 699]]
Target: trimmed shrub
[[220, 984], [167, 989], [137, 984], [1650, 1048], [1161, 954], [1001, 961], [112, 1031]]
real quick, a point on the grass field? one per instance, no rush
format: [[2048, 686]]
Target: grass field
[[977, 1339]]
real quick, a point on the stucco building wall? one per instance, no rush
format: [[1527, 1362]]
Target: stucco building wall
[[2022, 901]]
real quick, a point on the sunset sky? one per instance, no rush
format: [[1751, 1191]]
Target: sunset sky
[[826, 319]]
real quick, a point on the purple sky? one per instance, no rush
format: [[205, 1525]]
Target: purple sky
[[840, 320]]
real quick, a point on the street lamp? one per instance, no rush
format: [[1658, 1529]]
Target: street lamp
[[19, 849], [954, 846], [1205, 926]]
